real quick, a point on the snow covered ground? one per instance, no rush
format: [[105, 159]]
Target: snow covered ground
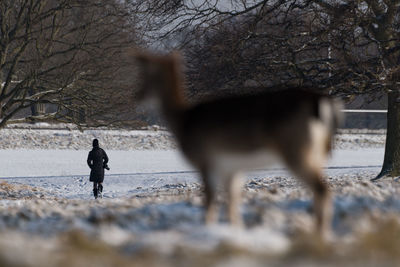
[[152, 213], [65, 172]]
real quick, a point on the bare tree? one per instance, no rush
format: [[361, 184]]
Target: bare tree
[[346, 48], [241, 56], [67, 55], [374, 26]]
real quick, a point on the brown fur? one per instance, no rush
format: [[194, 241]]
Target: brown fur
[[288, 123]]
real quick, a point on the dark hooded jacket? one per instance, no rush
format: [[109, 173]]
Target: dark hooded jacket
[[97, 160]]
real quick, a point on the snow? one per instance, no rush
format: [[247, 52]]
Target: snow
[[29, 162], [152, 208], [65, 172]]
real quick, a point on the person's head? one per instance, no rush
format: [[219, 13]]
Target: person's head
[[95, 143]]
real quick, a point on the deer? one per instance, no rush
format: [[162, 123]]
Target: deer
[[223, 137]]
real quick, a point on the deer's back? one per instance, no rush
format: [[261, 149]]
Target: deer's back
[[248, 124]]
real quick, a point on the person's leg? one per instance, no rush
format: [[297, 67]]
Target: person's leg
[[100, 189], [95, 191]]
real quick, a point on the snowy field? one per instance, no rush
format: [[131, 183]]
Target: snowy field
[[152, 215], [65, 172]]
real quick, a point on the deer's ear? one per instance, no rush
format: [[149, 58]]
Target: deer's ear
[[141, 59], [176, 56], [173, 60]]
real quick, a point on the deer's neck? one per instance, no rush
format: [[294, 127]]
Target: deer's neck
[[173, 103]]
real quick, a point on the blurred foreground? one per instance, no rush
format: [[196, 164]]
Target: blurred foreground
[[164, 227]]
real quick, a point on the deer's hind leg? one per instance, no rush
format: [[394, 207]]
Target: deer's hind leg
[[306, 162], [322, 197]]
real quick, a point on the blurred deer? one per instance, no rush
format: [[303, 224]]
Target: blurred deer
[[223, 137]]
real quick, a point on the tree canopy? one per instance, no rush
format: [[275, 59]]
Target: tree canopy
[[348, 47], [66, 55]]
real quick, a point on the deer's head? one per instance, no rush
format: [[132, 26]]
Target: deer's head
[[160, 77]]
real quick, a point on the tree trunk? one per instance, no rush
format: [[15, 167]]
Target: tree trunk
[[391, 162]]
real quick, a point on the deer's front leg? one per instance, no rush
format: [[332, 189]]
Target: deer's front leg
[[211, 216], [234, 186]]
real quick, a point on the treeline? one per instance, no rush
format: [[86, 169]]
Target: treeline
[[67, 60]]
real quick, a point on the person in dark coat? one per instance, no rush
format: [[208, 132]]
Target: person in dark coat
[[97, 161]]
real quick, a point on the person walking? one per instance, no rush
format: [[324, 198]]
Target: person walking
[[97, 161]]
